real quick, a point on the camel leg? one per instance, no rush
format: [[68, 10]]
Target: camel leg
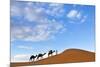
[[38, 58], [51, 54], [48, 55], [29, 60], [33, 60]]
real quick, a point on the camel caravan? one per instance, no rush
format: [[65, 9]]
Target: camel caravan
[[40, 55]]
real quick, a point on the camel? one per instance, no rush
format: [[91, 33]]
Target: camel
[[40, 55], [32, 57], [50, 52]]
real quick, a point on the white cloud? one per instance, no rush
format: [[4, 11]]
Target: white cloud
[[79, 15], [33, 13], [55, 4], [25, 47], [39, 32], [15, 11], [76, 16], [73, 13], [83, 19], [36, 11], [20, 58], [55, 10], [44, 27]]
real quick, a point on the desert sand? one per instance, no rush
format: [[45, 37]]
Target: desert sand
[[68, 56]]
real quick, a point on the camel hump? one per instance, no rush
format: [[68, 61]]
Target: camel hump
[[44, 53], [50, 50]]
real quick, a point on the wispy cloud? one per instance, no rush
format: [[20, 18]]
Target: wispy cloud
[[33, 13], [76, 16], [83, 19], [39, 32], [56, 10], [39, 26], [20, 58], [72, 14], [15, 11], [39, 21], [25, 47]]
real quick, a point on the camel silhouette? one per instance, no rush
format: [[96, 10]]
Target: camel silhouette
[[40, 55], [32, 57], [50, 52]]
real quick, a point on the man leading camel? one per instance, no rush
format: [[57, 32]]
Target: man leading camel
[[50, 52]]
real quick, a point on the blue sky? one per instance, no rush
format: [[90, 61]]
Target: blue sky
[[37, 27]]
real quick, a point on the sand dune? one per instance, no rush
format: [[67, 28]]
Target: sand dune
[[68, 56]]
